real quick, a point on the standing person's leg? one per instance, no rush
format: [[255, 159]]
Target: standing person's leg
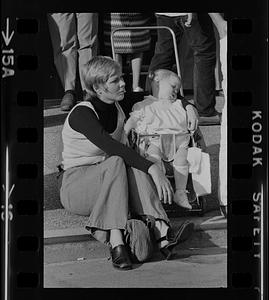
[[63, 26], [56, 44], [223, 129], [164, 56], [201, 38], [218, 75], [136, 61], [87, 33]]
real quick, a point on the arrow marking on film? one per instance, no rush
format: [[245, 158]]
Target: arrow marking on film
[[7, 38]]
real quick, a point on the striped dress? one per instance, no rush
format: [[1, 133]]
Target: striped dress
[[126, 41]]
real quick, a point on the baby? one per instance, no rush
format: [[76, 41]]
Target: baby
[[163, 114]]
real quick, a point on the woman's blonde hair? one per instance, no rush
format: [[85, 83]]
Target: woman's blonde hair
[[96, 72]]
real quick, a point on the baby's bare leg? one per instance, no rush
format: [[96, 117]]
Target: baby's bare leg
[[154, 154], [181, 169], [181, 172]]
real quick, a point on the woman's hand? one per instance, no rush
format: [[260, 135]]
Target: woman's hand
[[163, 185], [192, 117]]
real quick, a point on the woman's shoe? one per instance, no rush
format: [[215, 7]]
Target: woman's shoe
[[120, 258], [184, 232], [68, 100]]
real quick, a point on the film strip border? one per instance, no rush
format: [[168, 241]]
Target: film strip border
[[21, 152], [22, 132], [246, 175]]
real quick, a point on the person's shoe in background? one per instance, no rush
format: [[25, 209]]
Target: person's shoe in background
[[68, 100], [223, 210], [138, 90], [214, 119]]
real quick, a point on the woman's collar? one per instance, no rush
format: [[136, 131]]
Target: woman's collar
[[101, 105]]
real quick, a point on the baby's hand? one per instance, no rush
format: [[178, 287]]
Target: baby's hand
[[192, 117], [190, 17]]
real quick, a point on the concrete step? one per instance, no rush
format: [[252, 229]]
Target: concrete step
[[210, 235], [61, 226]]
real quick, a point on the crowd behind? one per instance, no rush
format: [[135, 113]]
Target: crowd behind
[[74, 38]]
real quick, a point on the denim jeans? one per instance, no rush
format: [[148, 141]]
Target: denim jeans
[[201, 39]]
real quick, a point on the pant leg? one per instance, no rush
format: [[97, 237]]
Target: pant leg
[[64, 41], [100, 192], [87, 30], [201, 38], [56, 45], [223, 128], [218, 75], [164, 56], [143, 197]]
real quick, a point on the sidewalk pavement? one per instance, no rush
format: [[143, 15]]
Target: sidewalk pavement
[[63, 227], [72, 259], [199, 262], [207, 269]]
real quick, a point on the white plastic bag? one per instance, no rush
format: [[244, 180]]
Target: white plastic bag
[[199, 166], [202, 179], [194, 159]]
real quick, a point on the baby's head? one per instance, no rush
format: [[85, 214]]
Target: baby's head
[[165, 84]]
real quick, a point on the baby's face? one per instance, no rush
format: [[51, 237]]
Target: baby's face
[[168, 89]]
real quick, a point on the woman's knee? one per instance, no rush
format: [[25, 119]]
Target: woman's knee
[[116, 163], [115, 159]]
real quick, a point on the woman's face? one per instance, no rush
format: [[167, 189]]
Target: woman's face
[[114, 89]]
